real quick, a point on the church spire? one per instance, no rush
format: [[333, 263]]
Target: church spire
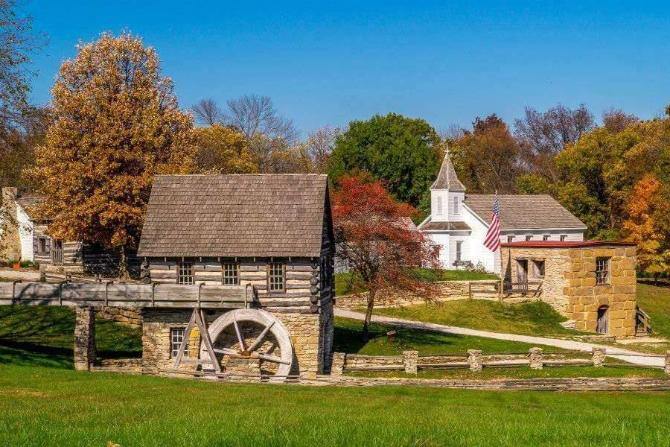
[[446, 178]]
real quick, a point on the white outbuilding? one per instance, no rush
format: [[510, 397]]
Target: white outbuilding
[[458, 221]]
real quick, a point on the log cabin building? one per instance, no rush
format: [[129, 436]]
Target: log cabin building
[[271, 233], [24, 237]]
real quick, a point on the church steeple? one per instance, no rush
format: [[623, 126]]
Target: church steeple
[[446, 178]]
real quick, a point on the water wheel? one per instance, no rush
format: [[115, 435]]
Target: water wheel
[[251, 340]]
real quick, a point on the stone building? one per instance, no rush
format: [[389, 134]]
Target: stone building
[[590, 282], [271, 234]]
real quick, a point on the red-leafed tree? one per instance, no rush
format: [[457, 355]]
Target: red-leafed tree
[[377, 239]]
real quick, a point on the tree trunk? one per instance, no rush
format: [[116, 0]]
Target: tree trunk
[[123, 264], [368, 314]]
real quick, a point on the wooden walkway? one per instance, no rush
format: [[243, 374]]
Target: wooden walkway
[[126, 295]]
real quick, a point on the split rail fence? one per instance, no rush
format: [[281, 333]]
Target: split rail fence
[[410, 362]]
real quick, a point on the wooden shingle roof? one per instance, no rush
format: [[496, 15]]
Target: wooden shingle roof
[[524, 212], [261, 215]]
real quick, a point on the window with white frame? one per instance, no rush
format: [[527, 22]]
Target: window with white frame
[[439, 205], [231, 273], [545, 237], [602, 271], [564, 237], [455, 205], [529, 237], [276, 277], [459, 250], [176, 338], [185, 272], [510, 239]]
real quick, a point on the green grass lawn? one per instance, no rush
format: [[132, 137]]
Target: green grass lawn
[[348, 339], [534, 318], [656, 302], [345, 284], [56, 407]]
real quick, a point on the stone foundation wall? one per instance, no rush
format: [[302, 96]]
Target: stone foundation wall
[[156, 343], [446, 291], [124, 315], [311, 336]]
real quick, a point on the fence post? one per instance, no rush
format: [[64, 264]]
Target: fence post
[[475, 360], [337, 367], [500, 291], [470, 290], [410, 359], [598, 357], [667, 362], [535, 358]]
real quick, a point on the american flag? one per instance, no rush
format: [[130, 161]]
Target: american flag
[[492, 241]]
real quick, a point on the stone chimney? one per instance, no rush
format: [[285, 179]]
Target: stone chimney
[[10, 244]]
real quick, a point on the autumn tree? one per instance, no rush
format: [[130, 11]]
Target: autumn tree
[[648, 224], [402, 152], [486, 157], [542, 135], [116, 124], [223, 150], [207, 112], [376, 238], [320, 144]]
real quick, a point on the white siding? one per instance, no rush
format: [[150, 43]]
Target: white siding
[[25, 234]]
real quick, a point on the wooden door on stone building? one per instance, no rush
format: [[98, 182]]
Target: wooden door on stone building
[[601, 323], [522, 274]]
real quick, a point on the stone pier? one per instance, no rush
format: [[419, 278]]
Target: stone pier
[[84, 338]]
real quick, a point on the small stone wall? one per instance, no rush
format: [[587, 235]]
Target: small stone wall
[[446, 291], [410, 361]]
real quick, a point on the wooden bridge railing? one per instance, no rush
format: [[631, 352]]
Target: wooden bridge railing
[[126, 295]]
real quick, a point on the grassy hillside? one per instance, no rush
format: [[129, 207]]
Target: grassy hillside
[[348, 339], [345, 284], [41, 335], [534, 318], [49, 406]]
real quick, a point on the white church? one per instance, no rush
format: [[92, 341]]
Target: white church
[[458, 221]]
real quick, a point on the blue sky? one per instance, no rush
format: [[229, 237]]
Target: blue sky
[[326, 63]]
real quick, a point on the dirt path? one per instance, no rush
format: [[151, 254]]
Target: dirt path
[[634, 357]]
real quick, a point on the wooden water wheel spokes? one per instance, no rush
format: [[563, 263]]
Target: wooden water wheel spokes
[[252, 334]]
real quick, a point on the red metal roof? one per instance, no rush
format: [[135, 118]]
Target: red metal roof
[[565, 244]]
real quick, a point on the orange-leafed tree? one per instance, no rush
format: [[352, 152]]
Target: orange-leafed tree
[[648, 224], [376, 238], [116, 123]]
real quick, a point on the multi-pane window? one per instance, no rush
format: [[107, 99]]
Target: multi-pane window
[[176, 338], [185, 272], [602, 271], [545, 237], [563, 237], [276, 277], [231, 275], [42, 246]]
